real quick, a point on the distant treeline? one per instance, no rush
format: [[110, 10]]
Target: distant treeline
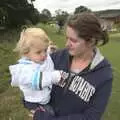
[[14, 13]]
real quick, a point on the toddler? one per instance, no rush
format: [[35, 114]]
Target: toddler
[[34, 73]]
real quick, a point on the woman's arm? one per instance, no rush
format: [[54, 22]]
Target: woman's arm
[[94, 112]]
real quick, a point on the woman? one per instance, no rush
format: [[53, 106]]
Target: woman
[[87, 80]]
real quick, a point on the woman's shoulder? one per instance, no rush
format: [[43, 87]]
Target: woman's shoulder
[[104, 70], [60, 59], [59, 53]]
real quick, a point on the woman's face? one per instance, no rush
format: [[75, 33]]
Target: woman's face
[[76, 46]]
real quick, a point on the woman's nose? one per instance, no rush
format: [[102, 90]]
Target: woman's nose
[[67, 43]]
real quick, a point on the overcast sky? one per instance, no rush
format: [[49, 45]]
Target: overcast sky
[[70, 5]]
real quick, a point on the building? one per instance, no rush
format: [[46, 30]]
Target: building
[[108, 18]]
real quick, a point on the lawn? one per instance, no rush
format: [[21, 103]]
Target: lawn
[[10, 98]]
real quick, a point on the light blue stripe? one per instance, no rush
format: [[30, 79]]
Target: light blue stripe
[[33, 80], [36, 80]]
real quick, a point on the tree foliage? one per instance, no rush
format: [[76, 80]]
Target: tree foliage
[[81, 9], [17, 12], [61, 16], [45, 16], [46, 12]]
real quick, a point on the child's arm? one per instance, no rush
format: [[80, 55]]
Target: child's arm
[[34, 78], [14, 80], [45, 79], [21, 75]]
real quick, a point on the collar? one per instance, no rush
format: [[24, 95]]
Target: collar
[[97, 58]]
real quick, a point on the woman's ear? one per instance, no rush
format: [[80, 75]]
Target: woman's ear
[[92, 42]]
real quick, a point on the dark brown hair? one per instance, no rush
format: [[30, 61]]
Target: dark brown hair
[[88, 27]]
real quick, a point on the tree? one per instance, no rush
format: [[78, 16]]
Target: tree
[[45, 16], [30, 2], [61, 17], [19, 11], [81, 9], [46, 12]]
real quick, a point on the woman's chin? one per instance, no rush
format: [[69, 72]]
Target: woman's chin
[[71, 53]]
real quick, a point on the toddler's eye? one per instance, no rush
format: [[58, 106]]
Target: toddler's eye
[[46, 50], [38, 52]]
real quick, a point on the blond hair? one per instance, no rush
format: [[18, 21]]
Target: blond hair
[[29, 37]]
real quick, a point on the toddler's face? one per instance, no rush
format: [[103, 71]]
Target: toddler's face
[[37, 55]]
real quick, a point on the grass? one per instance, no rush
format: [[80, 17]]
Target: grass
[[10, 98], [111, 51]]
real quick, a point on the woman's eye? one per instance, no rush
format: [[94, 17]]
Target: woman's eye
[[74, 40]]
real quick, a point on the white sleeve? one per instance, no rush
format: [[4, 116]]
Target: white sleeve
[[21, 74], [49, 78], [14, 80], [48, 64], [45, 79]]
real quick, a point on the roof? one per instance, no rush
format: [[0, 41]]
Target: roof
[[108, 13]]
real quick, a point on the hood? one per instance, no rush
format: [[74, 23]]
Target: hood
[[98, 58]]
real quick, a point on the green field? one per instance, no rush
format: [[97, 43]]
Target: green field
[[11, 107]]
